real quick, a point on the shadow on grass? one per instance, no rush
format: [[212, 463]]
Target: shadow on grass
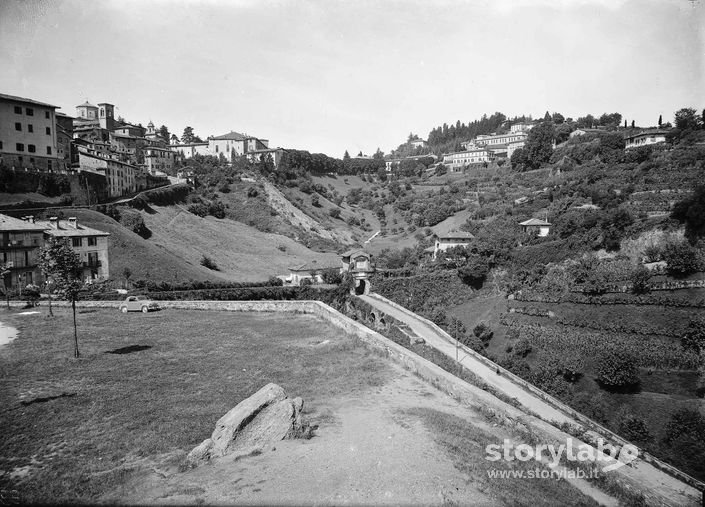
[[626, 389], [129, 349], [48, 398]]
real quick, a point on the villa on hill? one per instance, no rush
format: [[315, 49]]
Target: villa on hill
[[536, 226], [451, 239]]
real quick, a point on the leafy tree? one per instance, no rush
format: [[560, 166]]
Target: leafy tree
[[164, 133], [188, 136], [518, 159], [379, 154], [539, 144], [611, 120], [694, 337], [685, 421], [522, 347], [4, 273], [62, 265], [31, 294], [616, 368], [682, 259], [474, 271], [314, 201], [691, 211], [640, 280], [686, 119]]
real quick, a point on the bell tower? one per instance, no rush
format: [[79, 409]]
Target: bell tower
[[106, 115]]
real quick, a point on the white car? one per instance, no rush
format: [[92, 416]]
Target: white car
[[138, 304]]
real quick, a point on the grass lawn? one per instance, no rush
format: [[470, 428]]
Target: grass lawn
[[71, 427]]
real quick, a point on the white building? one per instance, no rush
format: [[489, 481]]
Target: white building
[[645, 138], [450, 240]]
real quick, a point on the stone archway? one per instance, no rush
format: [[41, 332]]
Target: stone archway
[[362, 287]]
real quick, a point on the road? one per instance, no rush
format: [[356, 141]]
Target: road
[[489, 375]]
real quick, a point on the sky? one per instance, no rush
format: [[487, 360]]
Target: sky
[[328, 76]]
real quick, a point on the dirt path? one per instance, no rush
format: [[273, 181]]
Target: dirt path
[[364, 452]]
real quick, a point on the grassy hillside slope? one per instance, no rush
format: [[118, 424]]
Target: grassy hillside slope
[[144, 258], [241, 252]]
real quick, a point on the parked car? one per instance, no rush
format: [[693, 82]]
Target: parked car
[[138, 304]]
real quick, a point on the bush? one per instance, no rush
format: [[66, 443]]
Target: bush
[[209, 263], [632, 428], [593, 406], [332, 276], [682, 259], [315, 202], [133, 221], [640, 280], [252, 192], [198, 209], [522, 347], [616, 368], [275, 282], [483, 332], [31, 294], [334, 212], [694, 338]]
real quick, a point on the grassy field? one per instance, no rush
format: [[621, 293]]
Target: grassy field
[[149, 385]]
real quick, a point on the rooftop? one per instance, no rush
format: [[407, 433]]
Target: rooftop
[[535, 222], [67, 231], [456, 235], [87, 104], [232, 135], [8, 223], [311, 266], [13, 98]]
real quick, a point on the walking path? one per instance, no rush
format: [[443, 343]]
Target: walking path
[[7, 334], [503, 384]]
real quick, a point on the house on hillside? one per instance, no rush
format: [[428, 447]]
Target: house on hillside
[[234, 144], [536, 226], [20, 242], [450, 240], [645, 138], [90, 244], [307, 271]]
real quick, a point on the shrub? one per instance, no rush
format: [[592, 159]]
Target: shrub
[[216, 209], [275, 282], [632, 428], [209, 263], [483, 332], [616, 368], [252, 192], [694, 338], [522, 347], [315, 201], [332, 276], [31, 294], [133, 221], [593, 406], [640, 280], [682, 259], [334, 212], [198, 209], [685, 422]]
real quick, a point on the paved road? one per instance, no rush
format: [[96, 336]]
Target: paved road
[[487, 374]]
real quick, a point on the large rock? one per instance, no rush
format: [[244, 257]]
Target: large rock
[[254, 425], [228, 426]]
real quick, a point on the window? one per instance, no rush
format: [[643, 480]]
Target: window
[[31, 148], [46, 114], [0, 145], [18, 127], [30, 127], [48, 129], [92, 242], [18, 110], [48, 150], [19, 147], [29, 111], [76, 241], [49, 164]]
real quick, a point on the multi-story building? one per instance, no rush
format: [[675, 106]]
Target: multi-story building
[[645, 138], [64, 138], [234, 144], [27, 133], [90, 244], [276, 155], [450, 240], [20, 242], [121, 177], [191, 149], [457, 160], [158, 159]]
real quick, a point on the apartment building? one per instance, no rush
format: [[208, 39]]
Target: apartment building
[[20, 242], [27, 133]]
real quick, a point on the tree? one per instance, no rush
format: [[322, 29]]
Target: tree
[[640, 280], [164, 133], [62, 265], [187, 136], [632, 123], [660, 121], [682, 259], [686, 118], [616, 368], [4, 273], [691, 211], [379, 154], [633, 428], [539, 144]]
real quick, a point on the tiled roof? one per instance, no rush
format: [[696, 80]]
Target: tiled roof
[[535, 221], [456, 235], [311, 267], [352, 252], [67, 231], [232, 135], [87, 104], [8, 223], [27, 101]]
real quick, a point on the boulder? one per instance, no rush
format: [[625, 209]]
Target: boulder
[[253, 426], [228, 426]]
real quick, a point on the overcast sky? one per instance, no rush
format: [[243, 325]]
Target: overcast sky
[[327, 76]]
